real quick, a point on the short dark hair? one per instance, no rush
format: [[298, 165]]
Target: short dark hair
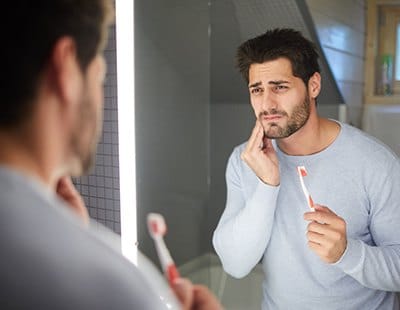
[[30, 31], [279, 43]]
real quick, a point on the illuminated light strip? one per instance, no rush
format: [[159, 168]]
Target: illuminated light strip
[[124, 10]]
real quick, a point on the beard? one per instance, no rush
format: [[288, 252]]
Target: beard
[[296, 120], [85, 137]]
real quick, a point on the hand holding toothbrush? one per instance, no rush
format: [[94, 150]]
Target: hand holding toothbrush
[[157, 229], [326, 233], [191, 296], [195, 297]]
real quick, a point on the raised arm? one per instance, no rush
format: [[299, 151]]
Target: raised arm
[[245, 227]]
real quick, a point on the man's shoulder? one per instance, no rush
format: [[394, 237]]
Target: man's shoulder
[[47, 252], [367, 145]]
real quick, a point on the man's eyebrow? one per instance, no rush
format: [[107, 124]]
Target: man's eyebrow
[[278, 82], [255, 84]]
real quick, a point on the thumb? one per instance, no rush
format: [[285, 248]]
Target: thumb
[[322, 208], [318, 207]]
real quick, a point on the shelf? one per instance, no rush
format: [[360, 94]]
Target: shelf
[[393, 99]]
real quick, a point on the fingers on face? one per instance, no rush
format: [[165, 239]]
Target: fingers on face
[[256, 134], [255, 142], [267, 141], [65, 184]]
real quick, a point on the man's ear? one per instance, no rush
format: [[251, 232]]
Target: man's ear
[[65, 71], [314, 85]]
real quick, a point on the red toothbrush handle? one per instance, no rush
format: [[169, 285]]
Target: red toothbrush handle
[[310, 202], [172, 273]]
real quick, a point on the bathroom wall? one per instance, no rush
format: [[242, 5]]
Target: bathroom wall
[[341, 29], [172, 121]]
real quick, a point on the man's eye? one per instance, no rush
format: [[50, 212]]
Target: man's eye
[[280, 88], [256, 91]]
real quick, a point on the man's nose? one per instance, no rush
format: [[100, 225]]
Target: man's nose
[[269, 102]]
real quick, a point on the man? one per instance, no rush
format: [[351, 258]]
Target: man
[[51, 112], [345, 254]]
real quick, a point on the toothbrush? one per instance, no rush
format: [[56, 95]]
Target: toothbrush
[[157, 229], [302, 173]]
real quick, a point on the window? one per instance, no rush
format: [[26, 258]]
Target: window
[[382, 71], [387, 79]]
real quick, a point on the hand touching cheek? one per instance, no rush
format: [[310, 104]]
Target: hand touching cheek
[[261, 157]]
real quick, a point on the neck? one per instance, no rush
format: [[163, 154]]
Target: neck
[[316, 135], [16, 154], [36, 149]]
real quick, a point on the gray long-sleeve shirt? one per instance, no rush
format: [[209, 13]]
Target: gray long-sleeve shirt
[[357, 178], [50, 261]]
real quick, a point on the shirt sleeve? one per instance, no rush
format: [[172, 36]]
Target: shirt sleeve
[[244, 229], [378, 266]]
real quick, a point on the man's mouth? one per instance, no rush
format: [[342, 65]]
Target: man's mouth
[[269, 118]]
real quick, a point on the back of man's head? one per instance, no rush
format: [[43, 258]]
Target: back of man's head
[[30, 30]]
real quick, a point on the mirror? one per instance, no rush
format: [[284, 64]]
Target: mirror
[[192, 109]]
